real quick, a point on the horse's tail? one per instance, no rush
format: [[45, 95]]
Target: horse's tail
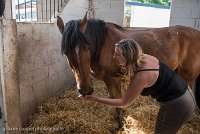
[[197, 91]]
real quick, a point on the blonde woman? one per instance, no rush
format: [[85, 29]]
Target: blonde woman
[[152, 77]]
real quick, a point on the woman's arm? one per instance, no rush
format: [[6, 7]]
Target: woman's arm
[[135, 88], [106, 101]]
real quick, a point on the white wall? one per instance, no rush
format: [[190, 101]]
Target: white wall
[[109, 10], [185, 12], [142, 16], [75, 9]]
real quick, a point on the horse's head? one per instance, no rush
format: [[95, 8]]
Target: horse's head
[[76, 47]]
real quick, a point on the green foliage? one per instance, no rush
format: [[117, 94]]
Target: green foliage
[[160, 2]]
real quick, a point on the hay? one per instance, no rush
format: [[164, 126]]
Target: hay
[[69, 114]]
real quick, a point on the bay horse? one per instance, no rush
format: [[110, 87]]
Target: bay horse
[[89, 47]]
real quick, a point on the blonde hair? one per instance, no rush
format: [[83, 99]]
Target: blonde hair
[[132, 52]]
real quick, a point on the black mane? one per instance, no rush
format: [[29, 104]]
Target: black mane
[[94, 36]]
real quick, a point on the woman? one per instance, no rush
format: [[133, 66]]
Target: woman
[[152, 77]]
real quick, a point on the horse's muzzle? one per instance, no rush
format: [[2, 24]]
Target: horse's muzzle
[[87, 91]]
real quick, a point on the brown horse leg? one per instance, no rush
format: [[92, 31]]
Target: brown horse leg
[[114, 89], [188, 76], [190, 71], [192, 81]]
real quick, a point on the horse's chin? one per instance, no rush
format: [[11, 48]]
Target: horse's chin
[[84, 92]]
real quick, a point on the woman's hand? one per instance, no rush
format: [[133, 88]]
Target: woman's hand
[[106, 101], [91, 97]]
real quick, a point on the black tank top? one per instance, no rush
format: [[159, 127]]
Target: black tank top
[[167, 87]]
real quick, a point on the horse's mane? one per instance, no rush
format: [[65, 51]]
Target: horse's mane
[[117, 26], [94, 36]]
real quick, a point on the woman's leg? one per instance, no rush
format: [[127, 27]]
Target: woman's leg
[[173, 114]]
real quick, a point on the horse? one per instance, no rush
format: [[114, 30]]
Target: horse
[[89, 46]]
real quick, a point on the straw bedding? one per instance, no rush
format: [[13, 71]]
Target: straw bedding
[[68, 114]]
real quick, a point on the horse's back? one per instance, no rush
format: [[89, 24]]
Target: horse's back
[[180, 45], [176, 46]]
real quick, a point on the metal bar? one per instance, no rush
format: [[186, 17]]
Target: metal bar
[[42, 10], [37, 10], [25, 10], [61, 3], [54, 9], [46, 10], [18, 11], [11, 9], [31, 10], [50, 10], [58, 5]]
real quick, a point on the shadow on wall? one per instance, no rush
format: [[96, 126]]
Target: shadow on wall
[[2, 7]]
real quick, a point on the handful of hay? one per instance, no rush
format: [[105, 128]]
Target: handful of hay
[[68, 114]]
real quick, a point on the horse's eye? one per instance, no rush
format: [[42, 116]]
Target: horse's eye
[[87, 46]]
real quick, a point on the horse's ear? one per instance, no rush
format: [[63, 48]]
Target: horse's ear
[[83, 24], [60, 24]]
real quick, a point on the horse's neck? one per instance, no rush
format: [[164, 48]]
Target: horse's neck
[[116, 34]]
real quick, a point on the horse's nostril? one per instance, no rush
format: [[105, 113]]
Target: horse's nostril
[[87, 91], [90, 91]]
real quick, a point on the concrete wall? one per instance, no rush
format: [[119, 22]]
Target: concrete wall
[[185, 12], [75, 9], [9, 75], [43, 71], [109, 10]]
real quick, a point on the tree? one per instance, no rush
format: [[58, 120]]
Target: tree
[[160, 2]]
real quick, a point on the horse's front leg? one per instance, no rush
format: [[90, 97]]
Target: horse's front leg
[[114, 88]]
